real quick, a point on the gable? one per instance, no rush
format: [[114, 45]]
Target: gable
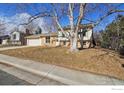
[[15, 32]]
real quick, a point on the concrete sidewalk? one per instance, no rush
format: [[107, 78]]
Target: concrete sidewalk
[[63, 75], [31, 78], [13, 47]]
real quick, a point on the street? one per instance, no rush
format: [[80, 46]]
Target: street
[[12, 76], [8, 79]]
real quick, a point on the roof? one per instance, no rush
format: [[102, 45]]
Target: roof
[[80, 26], [4, 37], [14, 31], [42, 35]]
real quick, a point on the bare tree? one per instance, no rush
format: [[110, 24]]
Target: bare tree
[[76, 13], [74, 31], [2, 27]]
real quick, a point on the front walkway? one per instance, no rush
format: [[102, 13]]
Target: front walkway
[[63, 75]]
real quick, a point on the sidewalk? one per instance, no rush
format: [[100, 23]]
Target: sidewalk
[[31, 78], [12, 47], [63, 75]]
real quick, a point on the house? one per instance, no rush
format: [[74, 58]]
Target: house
[[4, 39], [60, 39], [87, 32], [44, 39], [17, 37]]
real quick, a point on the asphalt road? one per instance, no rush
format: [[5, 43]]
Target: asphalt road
[[12, 76], [7, 79]]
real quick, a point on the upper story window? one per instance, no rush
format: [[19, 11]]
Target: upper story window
[[14, 36], [84, 32], [38, 31], [63, 35]]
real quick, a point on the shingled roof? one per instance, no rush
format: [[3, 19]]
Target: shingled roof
[[4, 37], [80, 26], [42, 35]]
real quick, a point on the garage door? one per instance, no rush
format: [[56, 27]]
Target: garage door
[[34, 42]]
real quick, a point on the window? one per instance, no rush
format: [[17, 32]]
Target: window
[[63, 35], [84, 32], [40, 31], [64, 42], [48, 39], [14, 36]]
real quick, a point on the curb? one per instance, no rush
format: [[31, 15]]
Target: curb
[[41, 73]]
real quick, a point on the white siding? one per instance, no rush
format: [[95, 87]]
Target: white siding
[[61, 37], [88, 35], [4, 42], [17, 36], [34, 42]]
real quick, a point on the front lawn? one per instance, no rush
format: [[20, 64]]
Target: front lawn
[[99, 61]]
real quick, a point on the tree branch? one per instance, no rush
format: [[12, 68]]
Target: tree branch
[[71, 19], [81, 13], [106, 15], [39, 15], [56, 18]]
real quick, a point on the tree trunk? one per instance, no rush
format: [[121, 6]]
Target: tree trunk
[[73, 40], [74, 31], [118, 35], [73, 34], [81, 13], [81, 41]]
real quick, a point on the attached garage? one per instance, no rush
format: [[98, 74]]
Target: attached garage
[[34, 42], [42, 39]]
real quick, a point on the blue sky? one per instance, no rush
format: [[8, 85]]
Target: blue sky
[[8, 10]]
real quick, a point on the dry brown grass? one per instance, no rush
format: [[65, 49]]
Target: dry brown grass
[[99, 61]]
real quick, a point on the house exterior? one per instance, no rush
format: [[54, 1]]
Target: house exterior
[[4, 39], [44, 39], [60, 39], [86, 30], [18, 37]]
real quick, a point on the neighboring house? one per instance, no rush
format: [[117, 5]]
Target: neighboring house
[[86, 30], [45, 39], [4, 39], [18, 37]]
